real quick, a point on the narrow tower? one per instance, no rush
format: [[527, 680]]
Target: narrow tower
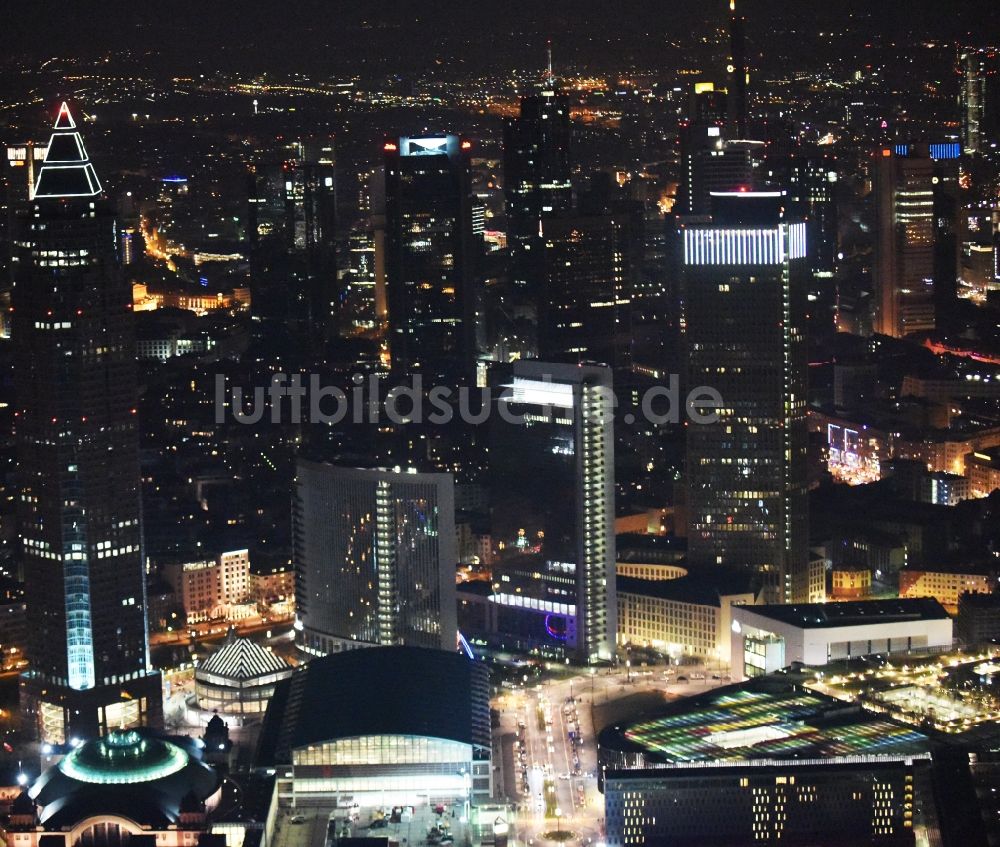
[[739, 73]]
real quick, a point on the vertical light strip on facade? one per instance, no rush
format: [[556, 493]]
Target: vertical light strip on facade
[[595, 518], [385, 550], [744, 246]]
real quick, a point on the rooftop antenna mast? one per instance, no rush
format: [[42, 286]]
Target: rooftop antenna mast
[[550, 78]]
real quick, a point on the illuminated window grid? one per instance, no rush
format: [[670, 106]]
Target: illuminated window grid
[[685, 737]]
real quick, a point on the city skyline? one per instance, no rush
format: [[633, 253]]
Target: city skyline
[[546, 424]]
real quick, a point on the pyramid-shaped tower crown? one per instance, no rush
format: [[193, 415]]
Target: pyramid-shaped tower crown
[[66, 171]]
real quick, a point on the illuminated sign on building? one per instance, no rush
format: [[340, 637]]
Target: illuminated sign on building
[[745, 246], [433, 145], [849, 459], [541, 393]]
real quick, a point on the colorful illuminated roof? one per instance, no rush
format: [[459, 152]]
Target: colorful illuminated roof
[[755, 723]]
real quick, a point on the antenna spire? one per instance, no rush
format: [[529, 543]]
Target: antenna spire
[[548, 50]]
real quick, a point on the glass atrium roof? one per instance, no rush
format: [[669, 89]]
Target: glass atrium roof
[[752, 724]]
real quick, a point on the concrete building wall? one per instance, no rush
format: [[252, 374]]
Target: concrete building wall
[[817, 646]]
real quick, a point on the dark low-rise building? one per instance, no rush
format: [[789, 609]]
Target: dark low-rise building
[[978, 618], [764, 762]]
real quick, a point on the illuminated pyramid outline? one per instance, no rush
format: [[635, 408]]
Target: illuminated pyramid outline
[[66, 171]]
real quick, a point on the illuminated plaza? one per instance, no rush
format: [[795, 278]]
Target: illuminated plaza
[[952, 692]]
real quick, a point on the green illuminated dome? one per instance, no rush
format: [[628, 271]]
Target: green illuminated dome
[[135, 774], [124, 757]]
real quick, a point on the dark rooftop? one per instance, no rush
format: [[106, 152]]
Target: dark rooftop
[[854, 613], [378, 691], [703, 587]]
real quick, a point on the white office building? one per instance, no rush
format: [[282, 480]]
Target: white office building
[[767, 638]]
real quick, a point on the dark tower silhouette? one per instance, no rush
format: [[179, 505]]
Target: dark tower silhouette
[[739, 73], [429, 261], [536, 149]]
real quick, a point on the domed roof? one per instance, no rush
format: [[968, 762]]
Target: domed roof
[[121, 757], [132, 773], [216, 724]]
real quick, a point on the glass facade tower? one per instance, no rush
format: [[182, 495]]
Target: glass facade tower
[[552, 481], [744, 285], [374, 553]]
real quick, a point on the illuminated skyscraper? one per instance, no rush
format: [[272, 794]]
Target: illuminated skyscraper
[[585, 299], [366, 303], [979, 97], [916, 242], [707, 105], [810, 176], [429, 257], [293, 205], [745, 277], [293, 192], [552, 482], [713, 163], [374, 553], [78, 457], [536, 147]]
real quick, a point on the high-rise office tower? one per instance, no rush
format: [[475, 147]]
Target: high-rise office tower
[[552, 484], [585, 301], [744, 282], [374, 553], [707, 105], [366, 303], [17, 181], [293, 204], [916, 242], [429, 258], [711, 163], [638, 126], [536, 149], [293, 192], [979, 97], [78, 457], [738, 71], [811, 178]]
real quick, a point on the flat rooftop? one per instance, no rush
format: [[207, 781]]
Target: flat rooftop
[[853, 613], [764, 719], [701, 586]]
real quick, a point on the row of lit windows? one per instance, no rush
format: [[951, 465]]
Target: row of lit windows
[[383, 749]]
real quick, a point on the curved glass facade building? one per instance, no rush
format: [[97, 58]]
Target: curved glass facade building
[[374, 553], [398, 724]]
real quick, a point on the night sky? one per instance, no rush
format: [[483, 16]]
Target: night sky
[[317, 36]]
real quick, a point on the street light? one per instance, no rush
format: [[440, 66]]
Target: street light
[[558, 824]]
